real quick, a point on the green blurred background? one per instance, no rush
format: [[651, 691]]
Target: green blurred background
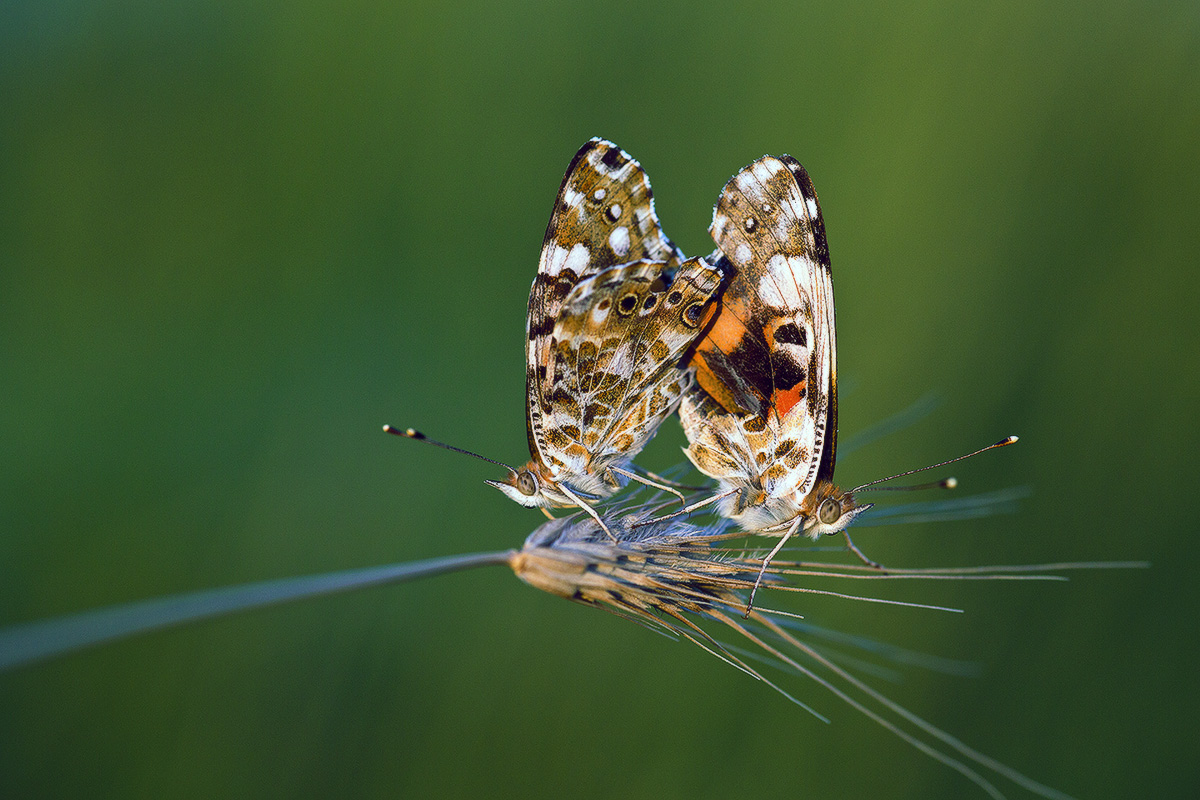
[[236, 238]]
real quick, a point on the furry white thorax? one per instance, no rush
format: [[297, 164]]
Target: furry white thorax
[[765, 513]]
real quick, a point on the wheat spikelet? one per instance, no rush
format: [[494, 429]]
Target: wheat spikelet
[[678, 577]]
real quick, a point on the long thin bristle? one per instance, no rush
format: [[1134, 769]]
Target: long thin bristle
[[684, 577]]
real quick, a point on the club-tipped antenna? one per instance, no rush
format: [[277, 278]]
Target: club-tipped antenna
[[412, 433], [950, 482], [1005, 442]]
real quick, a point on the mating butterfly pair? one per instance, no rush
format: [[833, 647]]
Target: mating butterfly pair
[[622, 331]]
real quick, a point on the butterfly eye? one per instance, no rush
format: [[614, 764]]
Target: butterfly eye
[[693, 314], [627, 304], [526, 484], [830, 511]]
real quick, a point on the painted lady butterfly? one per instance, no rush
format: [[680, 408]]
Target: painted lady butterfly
[[612, 311], [762, 416]]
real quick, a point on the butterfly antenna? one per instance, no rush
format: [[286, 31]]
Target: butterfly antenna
[[945, 483], [411, 433], [948, 483]]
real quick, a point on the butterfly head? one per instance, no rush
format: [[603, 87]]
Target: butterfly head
[[830, 510], [523, 486]]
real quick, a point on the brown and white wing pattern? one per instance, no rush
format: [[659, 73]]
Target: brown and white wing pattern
[[762, 417], [614, 365], [603, 216]]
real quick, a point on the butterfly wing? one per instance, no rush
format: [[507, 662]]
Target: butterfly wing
[[764, 411], [614, 363], [603, 216]]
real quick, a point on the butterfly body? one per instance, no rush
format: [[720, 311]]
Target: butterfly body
[[762, 416], [612, 311]]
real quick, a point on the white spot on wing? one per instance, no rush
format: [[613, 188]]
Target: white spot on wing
[[618, 240], [785, 227], [742, 254], [577, 260], [571, 197], [764, 169], [642, 215], [750, 184], [777, 288], [797, 354], [553, 259], [813, 211]]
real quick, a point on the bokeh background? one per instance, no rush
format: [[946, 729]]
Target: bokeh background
[[236, 238]]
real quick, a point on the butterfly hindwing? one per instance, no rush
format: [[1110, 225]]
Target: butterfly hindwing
[[614, 355]]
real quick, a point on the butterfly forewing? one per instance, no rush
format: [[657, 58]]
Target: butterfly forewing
[[764, 414], [603, 216], [611, 313]]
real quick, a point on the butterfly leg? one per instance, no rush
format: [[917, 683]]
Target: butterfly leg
[[646, 480], [587, 509], [688, 509], [854, 549], [770, 557], [647, 473]]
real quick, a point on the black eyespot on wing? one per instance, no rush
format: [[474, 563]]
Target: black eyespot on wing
[[787, 372], [791, 333], [612, 157]]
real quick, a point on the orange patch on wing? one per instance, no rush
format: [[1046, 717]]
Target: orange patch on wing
[[784, 400], [726, 334], [724, 337]]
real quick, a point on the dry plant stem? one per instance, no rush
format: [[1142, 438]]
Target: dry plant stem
[[37, 641]]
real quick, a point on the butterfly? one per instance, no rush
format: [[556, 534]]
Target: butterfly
[[612, 311], [761, 417]]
